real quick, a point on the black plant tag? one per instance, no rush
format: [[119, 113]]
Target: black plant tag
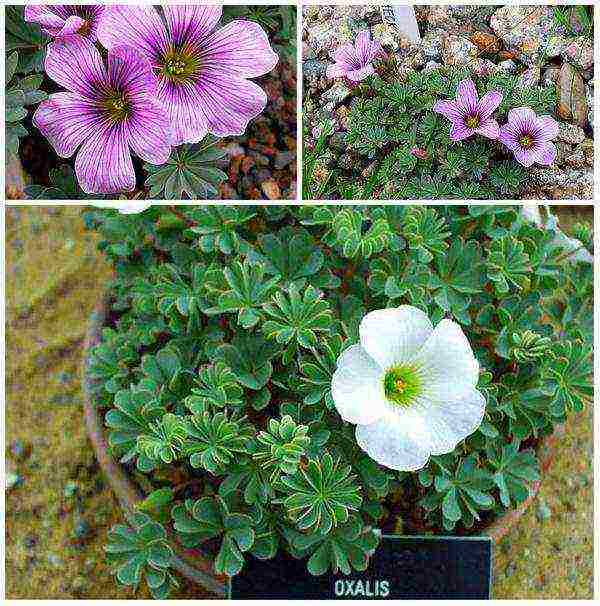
[[451, 568]]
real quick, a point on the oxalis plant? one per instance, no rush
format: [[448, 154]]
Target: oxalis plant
[[441, 133], [138, 86], [299, 379]]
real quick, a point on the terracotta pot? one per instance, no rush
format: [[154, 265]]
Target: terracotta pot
[[192, 563]]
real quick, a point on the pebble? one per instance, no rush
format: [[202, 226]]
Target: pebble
[[488, 44], [570, 133], [283, 159], [580, 53], [543, 512], [271, 189], [458, 51], [337, 94], [18, 450], [530, 77], [524, 30], [508, 66], [431, 45], [572, 103], [388, 35]]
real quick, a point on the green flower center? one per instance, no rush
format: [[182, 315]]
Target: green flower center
[[526, 141], [118, 106], [402, 385], [178, 65], [472, 121]]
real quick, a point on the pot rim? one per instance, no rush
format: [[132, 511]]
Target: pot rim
[[194, 564]]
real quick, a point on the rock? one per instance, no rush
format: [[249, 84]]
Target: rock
[[312, 70], [570, 133], [488, 44], [561, 184], [431, 45], [508, 66], [580, 53], [555, 46], [551, 76], [338, 93], [431, 65], [283, 159], [234, 149], [530, 78], [388, 34], [484, 67], [458, 51], [271, 189], [589, 96], [572, 103], [13, 480], [524, 30], [577, 159], [18, 450]]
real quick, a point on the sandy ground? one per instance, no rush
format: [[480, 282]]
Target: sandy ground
[[57, 518]]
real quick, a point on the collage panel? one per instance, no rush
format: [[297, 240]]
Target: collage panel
[[173, 102], [211, 400], [466, 102]]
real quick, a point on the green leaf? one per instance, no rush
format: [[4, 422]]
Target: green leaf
[[508, 265], [189, 173]]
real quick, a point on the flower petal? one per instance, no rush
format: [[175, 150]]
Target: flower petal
[[149, 133], [445, 356], [66, 119], [508, 136], [459, 131], [241, 48], [488, 128], [357, 387], [525, 157], [190, 23], [521, 118], [546, 154], [394, 335], [396, 441], [76, 64], [45, 15], [137, 26], [335, 70], [187, 122], [71, 26], [466, 95], [103, 164], [356, 75], [229, 102], [450, 110], [131, 72], [453, 418], [489, 103], [549, 127], [345, 54], [362, 47]]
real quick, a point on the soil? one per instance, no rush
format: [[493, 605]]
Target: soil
[[58, 514]]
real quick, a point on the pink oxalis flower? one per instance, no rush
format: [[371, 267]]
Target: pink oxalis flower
[[105, 112], [354, 61], [202, 72], [469, 114], [529, 136], [65, 19]]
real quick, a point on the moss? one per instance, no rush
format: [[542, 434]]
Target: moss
[[45, 558]]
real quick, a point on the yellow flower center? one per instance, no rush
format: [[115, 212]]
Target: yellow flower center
[[117, 106], [402, 385], [526, 141], [179, 65], [472, 121]]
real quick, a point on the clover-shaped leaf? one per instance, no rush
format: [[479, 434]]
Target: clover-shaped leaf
[[508, 265], [208, 518], [217, 388], [142, 548], [354, 239], [218, 226], [322, 495]]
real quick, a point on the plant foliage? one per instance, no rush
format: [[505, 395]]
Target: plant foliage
[[215, 376]]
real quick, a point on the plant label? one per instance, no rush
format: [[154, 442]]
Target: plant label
[[450, 568]]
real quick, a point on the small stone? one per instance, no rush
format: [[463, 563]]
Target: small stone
[[82, 529], [431, 45], [388, 35], [271, 189], [572, 103], [580, 53], [555, 46], [484, 67], [70, 489], [338, 93], [510, 569], [18, 450], [530, 78], [570, 133], [488, 44], [283, 159], [234, 149], [457, 50], [13, 480], [508, 66], [313, 70], [431, 65], [543, 512]]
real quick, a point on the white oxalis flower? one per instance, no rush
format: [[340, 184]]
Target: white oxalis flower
[[410, 388]]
